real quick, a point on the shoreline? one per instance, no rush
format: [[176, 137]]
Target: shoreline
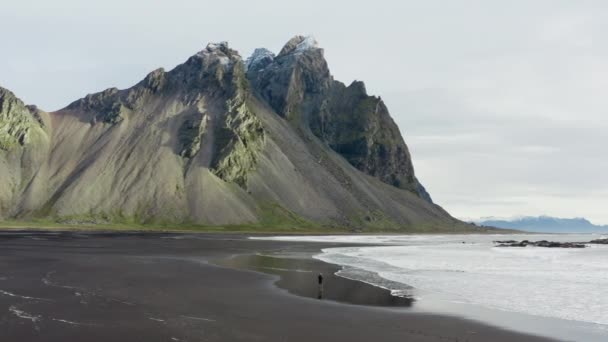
[[161, 287], [442, 304], [382, 293], [298, 276]]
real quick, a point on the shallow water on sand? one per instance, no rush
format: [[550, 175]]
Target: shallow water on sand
[[467, 272], [300, 276]]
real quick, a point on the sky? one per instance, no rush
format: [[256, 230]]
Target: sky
[[502, 103]]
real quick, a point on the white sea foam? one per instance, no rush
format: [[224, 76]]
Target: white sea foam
[[10, 294], [65, 321], [24, 315], [570, 284], [199, 318]]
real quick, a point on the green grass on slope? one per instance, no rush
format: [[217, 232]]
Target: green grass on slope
[[182, 227], [254, 228], [273, 218]]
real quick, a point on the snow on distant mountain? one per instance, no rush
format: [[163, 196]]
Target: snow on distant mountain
[[546, 224]]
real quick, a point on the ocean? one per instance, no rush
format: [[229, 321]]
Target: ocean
[[556, 292]]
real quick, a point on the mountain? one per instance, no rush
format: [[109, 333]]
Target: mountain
[[547, 224], [218, 141]]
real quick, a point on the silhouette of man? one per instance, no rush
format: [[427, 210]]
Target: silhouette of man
[[320, 278]]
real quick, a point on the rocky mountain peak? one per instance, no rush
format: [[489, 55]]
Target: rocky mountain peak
[[221, 46], [215, 66], [9, 102], [285, 81], [298, 85], [358, 87], [5, 93], [16, 121], [217, 69], [259, 59], [299, 44], [102, 107], [155, 80], [219, 53]]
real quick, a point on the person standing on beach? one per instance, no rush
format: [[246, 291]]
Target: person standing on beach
[[320, 278]]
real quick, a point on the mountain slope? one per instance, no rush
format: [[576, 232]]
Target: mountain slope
[[24, 144], [219, 141], [298, 85]]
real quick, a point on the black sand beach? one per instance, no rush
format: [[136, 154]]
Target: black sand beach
[[169, 287]]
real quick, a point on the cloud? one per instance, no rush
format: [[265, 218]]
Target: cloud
[[501, 102], [482, 164]]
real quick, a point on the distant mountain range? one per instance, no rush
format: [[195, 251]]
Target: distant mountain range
[[546, 224]]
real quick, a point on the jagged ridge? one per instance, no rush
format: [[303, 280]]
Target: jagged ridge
[[220, 141], [298, 85], [16, 121]]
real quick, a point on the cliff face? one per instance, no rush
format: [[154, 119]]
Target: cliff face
[[298, 85], [24, 146], [217, 141]]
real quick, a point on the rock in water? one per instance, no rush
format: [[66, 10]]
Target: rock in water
[[542, 243], [218, 140]]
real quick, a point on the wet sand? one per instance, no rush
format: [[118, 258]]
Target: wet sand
[[299, 275], [169, 287]]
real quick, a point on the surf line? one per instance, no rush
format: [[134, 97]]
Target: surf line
[[10, 294], [71, 322], [199, 318], [24, 315]]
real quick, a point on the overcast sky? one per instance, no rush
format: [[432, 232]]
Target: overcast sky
[[502, 103]]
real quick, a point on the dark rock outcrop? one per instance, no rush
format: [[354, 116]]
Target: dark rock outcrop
[[24, 144], [16, 121], [542, 243], [298, 85]]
